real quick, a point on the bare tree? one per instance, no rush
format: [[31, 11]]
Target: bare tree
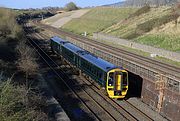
[[27, 60]]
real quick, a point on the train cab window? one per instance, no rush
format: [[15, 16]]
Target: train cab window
[[111, 79]]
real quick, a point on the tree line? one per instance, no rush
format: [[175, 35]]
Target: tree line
[[150, 2]]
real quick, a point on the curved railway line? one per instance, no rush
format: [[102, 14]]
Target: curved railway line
[[98, 109], [120, 113], [63, 74], [158, 66]]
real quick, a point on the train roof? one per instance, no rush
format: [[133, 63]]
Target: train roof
[[58, 40], [73, 47], [102, 64]]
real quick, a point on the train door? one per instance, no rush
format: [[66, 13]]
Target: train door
[[110, 84], [118, 78], [76, 60], [59, 49]]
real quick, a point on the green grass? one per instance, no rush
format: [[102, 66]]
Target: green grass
[[155, 28], [97, 20], [121, 22], [139, 52], [168, 42], [15, 103], [165, 60], [156, 22], [141, 11], [124, 28]]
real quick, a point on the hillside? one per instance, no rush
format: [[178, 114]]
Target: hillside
[[157, 27], [97, 19], [139, 3], [118, 4], [149, 2]]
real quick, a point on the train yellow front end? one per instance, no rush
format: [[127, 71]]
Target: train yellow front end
[[117, 83]]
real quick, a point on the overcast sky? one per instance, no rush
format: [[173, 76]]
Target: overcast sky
[[59, 3]]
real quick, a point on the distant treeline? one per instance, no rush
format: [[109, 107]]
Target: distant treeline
[[140, 3], [150, 2]]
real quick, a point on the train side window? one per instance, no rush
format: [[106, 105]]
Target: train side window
[[88, 67], [100, 75], [97, 73]]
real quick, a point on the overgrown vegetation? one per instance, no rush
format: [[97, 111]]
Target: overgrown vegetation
[[13, 104], [140, 11], [27, 60], [150, 2], [157, 27], [8, 26], [18, 101], [170, 42], [156, 22]]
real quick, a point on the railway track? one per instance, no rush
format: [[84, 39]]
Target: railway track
[[115, 103], [158, 66], [112, 104], [99, 112], [121, 113]]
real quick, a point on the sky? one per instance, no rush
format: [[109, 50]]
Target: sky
[[60, 3]]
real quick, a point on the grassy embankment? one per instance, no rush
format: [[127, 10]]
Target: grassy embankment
[[152, 26], [18, 102], [97, 19], [157, 27]]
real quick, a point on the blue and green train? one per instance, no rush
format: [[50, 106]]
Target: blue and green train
[[114, 79]]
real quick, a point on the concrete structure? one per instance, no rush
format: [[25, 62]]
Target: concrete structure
[[53, 107]]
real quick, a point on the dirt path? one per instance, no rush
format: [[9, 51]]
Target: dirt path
[[59, 20]]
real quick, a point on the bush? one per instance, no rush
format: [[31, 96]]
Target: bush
[[140, 11], [71, 6], [27, 60], [14, 105], [8, 25], [157, 22]]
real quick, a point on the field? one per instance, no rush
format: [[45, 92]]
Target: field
[[97, 20]]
